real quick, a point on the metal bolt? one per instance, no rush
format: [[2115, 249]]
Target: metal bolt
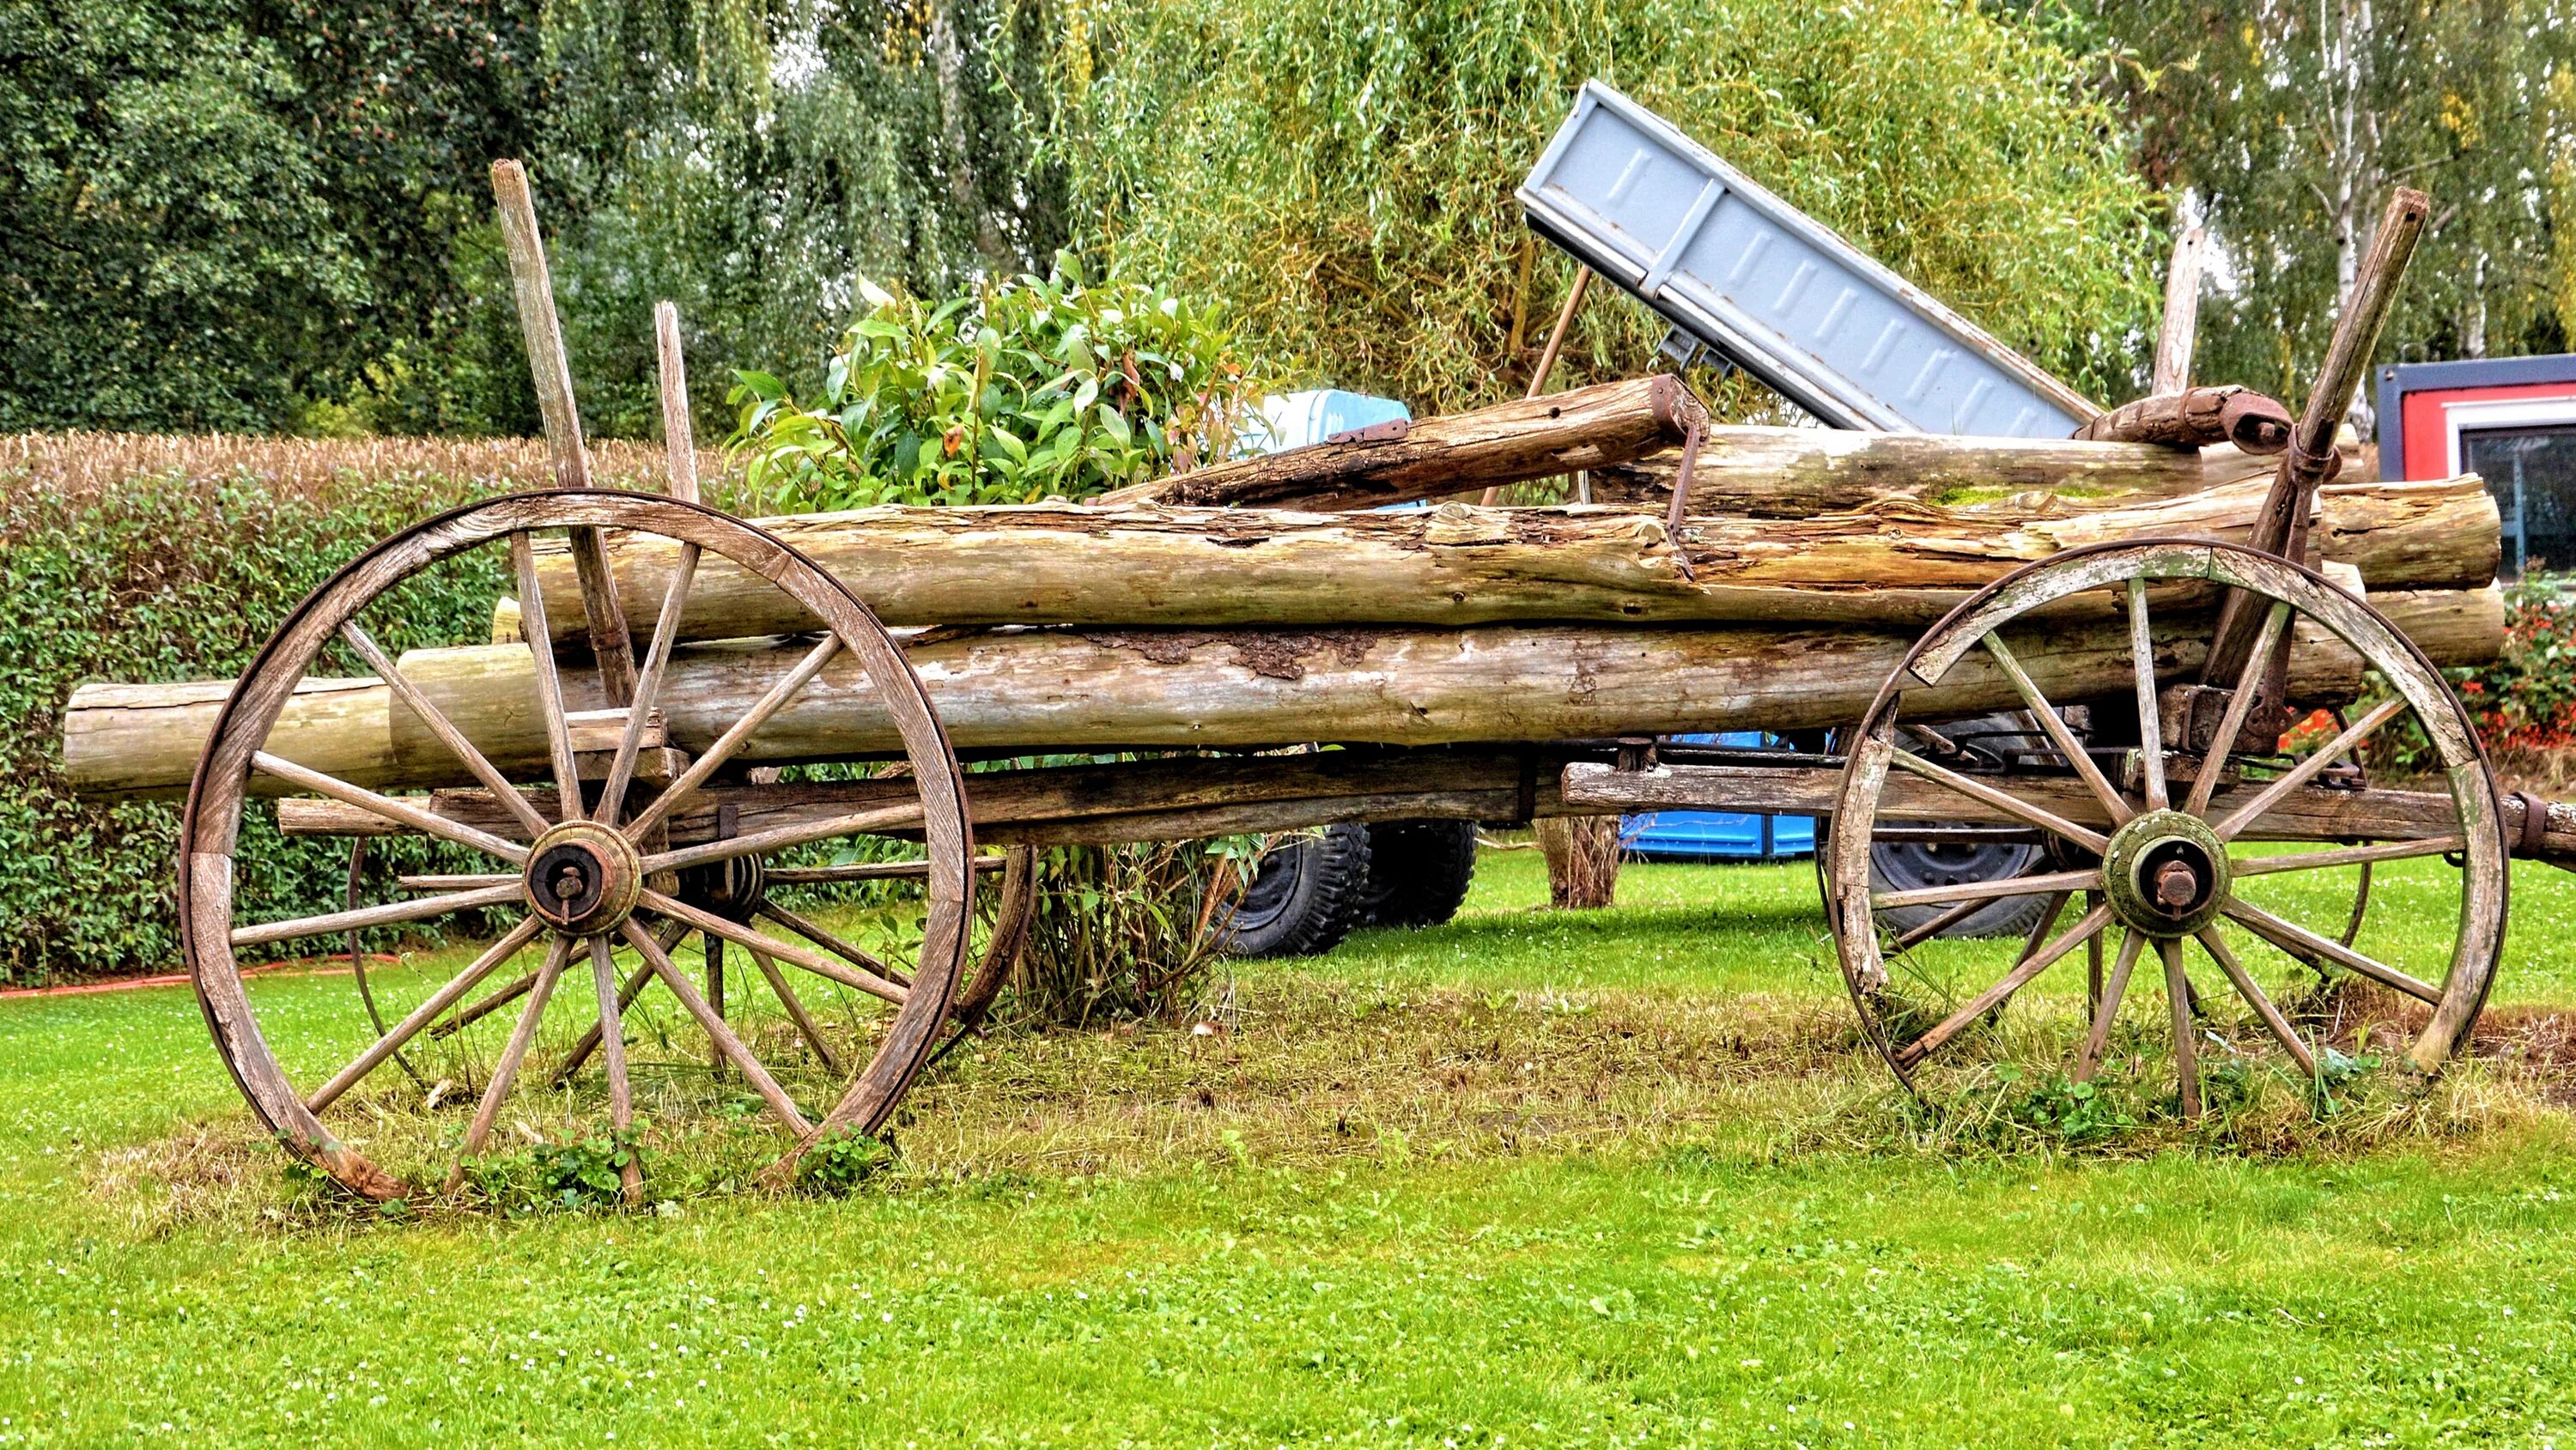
[[2176, 886], [569, 883]]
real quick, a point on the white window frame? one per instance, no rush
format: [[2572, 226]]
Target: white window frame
[[2474, 417]]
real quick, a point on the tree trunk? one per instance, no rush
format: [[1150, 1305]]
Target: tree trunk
[[1458, 566], [1582, 860], [1429, 457], [1049, 691], [1796, 473]]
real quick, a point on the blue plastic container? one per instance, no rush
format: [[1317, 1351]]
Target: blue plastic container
[[1717, 835]]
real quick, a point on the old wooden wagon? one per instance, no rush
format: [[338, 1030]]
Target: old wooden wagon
[[702, 713]]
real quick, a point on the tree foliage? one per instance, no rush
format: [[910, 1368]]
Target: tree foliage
[[1341, 171], [2287, 124], [217, 216]]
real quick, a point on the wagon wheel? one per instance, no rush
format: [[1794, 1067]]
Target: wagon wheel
[[585, 870], [2199, 857]]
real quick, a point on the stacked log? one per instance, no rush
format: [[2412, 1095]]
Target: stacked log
[[1177, 622], [1102, 689], [1897, 565]]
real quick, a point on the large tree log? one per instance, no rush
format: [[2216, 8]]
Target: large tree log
[[1066, 690], [1796, 473], [1592, 427], [1456, 566]]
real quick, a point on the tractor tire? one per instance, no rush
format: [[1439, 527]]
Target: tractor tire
[[1419, 871], [1306, 895]]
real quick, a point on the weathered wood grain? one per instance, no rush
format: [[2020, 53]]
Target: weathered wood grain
[[1896, 565], [1064, 690]]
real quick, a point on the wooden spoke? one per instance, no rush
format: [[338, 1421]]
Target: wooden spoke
[[733, 739], [2032, 964], [2216, 946], [2142, 662], [486, 1007], [445, 729], [2089, 879], [2107, 1011], [2049, 720], [2249, 681], [506, 1071], [2300, 942], [2306, 770], [2092, 960], [392, 913], [510, 944], [1937, 925], [806, 1027], [550, 701], [2178, 1004], [454, 883], [752, 939], [761, 843], [2014, 806], [648, 687], [740, 1056], [668, 934], [857, 956], [2344, 856], [612, 1050], [391, 808], [868, 871]]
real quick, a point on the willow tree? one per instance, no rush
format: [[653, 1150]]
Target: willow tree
[[1341, 171]]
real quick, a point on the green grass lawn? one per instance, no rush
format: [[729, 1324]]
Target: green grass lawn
[[1531, 1179]]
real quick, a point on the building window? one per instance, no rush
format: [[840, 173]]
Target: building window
[[2531, 471]]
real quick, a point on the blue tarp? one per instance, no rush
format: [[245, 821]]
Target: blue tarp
[[1717, 835]]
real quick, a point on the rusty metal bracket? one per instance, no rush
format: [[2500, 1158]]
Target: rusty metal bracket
[[1390, 431]]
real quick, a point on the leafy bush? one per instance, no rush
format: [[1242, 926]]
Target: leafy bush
[[158, 577], [582, 1174], [1038, 387]]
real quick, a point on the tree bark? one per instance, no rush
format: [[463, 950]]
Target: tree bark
[[1046, 691], [1458, 566], [1796, 473], [1510, 443]]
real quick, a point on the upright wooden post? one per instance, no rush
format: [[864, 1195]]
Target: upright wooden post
[[2182, 315], [1547, 355], [678, 442], [552, 372], [2282, 527]]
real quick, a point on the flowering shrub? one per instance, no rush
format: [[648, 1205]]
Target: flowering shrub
[[2526, 699]]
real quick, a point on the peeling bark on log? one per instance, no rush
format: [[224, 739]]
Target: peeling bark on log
[[1898, 564], [1590, 427], [1796, 473], [1066, 690]]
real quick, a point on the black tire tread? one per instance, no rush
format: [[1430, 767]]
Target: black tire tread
[[1419, 871]]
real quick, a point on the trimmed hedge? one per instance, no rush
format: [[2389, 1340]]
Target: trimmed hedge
[[164, 576]]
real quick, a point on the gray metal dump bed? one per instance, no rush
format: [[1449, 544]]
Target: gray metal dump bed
[[1772, 290]]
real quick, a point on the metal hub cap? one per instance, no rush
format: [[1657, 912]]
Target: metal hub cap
[[582, 878], [2166, 874]]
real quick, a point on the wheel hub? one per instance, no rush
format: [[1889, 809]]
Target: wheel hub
[[582, 878], [2166, 874]]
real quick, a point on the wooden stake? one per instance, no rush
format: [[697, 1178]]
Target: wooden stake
[[678, 439], [2283, 526], [552, 371], [1547, 355], [2182, 315]]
